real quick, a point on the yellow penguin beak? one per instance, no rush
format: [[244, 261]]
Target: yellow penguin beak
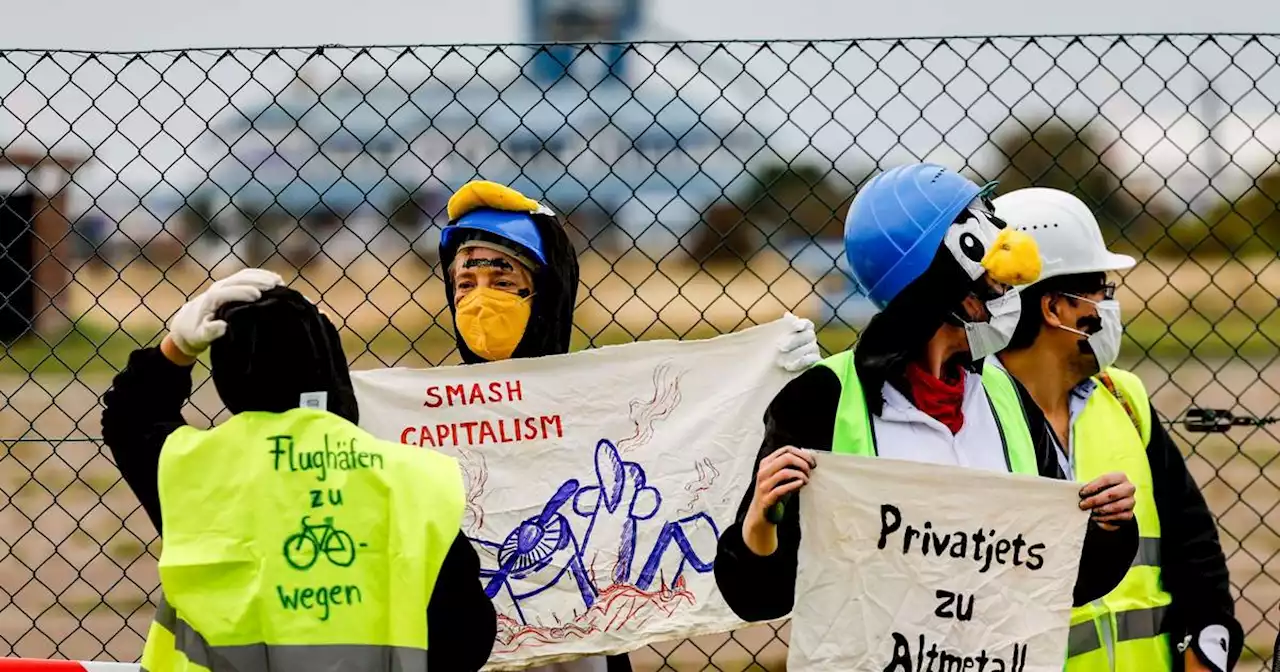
[[482, 194], [1014, 259]]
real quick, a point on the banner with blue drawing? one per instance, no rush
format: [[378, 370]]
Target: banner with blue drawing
[[597, 482]]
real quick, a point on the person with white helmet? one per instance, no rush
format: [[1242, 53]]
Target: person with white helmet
[[1173, 610], [924, 243]]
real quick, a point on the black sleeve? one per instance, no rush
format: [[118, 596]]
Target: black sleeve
[[140, 410], [1106, 556], [763, 588], [1193, 567], [1104, 561], [461, 620]]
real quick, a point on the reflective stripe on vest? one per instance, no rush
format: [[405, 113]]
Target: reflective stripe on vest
[[854, 435], [1125, 629], [298, 541], [1148, 552], [200, 655], [1130, 625]]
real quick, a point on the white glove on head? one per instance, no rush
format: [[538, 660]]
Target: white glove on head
[[193, 328], [799, 349]]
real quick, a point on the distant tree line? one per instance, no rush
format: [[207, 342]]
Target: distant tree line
[[786, 201]]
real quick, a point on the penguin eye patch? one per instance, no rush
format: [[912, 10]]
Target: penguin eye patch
[[972, 247], [969, 238]]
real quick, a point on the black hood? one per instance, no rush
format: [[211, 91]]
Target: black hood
[[555, 294], [899, 333], [276, 349]]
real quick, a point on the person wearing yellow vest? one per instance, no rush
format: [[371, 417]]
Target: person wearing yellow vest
[[1174, 608], [511, 281], [927, 248], [292, 539]]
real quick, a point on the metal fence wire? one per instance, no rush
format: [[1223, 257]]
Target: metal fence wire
[[705, 185]]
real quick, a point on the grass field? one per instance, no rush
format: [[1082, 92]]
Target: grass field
[[76, 565]]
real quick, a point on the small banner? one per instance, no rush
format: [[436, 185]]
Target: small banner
[[908, 567]]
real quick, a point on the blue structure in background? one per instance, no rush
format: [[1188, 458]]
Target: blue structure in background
[[822, 262], [636, 158], [580, 21]]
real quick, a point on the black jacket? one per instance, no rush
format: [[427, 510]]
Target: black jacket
[[1193, 566], [144, 406], [803, 415]]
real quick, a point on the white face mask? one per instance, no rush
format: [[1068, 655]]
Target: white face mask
[[988, 338], [1106, 342]]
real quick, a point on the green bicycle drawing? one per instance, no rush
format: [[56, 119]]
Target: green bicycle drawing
[[302, 549]]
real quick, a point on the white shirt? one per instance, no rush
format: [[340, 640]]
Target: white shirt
[[904, 432]]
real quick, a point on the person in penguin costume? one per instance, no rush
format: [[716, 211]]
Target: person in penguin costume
[[926, 246], [511, 282]]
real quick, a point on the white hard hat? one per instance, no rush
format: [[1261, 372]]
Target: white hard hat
[[1065, 230]]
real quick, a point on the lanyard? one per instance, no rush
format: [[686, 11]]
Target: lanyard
[[1064, 460]]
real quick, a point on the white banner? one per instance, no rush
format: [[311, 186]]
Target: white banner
[[598, 482], [909, 567]]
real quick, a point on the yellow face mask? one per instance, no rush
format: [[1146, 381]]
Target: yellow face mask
[[492, 322]]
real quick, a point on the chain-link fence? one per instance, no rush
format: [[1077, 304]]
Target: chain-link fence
[[705, 184]]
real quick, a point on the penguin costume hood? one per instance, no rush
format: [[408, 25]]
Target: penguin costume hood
[[920, 239], [485, 214], [275, 350]]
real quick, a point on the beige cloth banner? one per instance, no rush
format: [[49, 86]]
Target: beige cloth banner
[[598, 482], [909, 567]]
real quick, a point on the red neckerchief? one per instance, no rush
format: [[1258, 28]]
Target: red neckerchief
[[942, 400]]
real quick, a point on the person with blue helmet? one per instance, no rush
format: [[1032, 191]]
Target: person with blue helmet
[[510, 274], [511, 279], [926, 246]]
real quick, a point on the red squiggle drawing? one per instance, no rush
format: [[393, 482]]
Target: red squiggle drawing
[[645, 413], [475, 474], [618, 606], [707, 475]]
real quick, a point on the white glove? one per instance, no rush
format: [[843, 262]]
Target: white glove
[[799, 349], [193, 328]]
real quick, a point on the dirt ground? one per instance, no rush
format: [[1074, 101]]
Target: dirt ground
[[76, 553]]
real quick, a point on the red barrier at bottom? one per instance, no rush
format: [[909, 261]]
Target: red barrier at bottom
[[33, 665]]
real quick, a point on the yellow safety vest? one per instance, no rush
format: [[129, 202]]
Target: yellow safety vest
[[853, 434], [1125, 630], [296, 542]]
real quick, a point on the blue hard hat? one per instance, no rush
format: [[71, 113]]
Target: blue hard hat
[[897, 221], [517, 227]]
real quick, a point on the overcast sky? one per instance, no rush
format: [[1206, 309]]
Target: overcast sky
[[153, 24], [71, 100]]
